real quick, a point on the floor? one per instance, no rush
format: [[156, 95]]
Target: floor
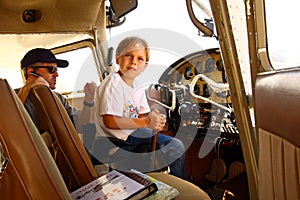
[[234, 189]]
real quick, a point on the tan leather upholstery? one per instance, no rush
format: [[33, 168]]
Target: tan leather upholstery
[[30, 172], [277, 120], [186, 189], [67, 148], [75, 155]]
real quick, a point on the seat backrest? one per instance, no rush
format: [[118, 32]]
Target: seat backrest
[[27, 169], [65, 145], [277, 119]]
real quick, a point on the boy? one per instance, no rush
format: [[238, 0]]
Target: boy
[[123, 111]]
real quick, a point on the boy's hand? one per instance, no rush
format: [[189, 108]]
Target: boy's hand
[[157, 120]]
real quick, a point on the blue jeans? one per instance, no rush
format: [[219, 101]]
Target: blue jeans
[[171, 149]]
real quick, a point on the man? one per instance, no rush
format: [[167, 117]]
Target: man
[[40, 67]]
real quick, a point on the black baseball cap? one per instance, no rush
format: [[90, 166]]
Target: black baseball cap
[[41, 55]]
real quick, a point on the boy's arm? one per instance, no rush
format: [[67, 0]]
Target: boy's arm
[[153, 121]]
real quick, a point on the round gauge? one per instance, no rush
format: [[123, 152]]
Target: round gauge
[[198, 68], [209, 65], [188, 73]]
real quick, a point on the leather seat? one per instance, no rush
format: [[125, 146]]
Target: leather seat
[[27, 169], [63, 141], [277, 119], [76, 158]]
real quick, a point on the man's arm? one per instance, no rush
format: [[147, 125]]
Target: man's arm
[[88, 106], [25, 90], [85, 115]]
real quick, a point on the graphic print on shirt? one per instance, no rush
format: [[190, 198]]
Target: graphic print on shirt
[[130, 110]]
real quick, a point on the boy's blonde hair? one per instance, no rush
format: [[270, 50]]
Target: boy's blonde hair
[[133, 40]]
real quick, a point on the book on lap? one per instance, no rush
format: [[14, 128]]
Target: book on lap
[[116, 185]]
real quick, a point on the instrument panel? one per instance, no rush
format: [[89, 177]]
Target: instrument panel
[[209, 63], [200, 104]]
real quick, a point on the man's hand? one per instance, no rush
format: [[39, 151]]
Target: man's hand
[[89, 91], [25, 90], [36, 81], [41, 81]]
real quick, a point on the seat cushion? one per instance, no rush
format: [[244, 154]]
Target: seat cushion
[[187, 190]]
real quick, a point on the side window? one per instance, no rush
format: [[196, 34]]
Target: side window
[[282, 33], [82, 69]]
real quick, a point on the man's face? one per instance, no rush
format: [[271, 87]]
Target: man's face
[[45, 73]]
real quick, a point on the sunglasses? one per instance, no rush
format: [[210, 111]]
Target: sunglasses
[[51, 69]]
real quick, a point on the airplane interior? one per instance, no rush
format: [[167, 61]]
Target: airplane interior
[[233, 105]]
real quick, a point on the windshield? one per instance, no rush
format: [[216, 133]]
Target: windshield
[[170, 33], [283, 33]]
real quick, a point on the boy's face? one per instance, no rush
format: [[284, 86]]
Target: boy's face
[[132, 61]]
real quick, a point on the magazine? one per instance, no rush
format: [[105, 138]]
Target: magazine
[[116, 185], [164, 192]]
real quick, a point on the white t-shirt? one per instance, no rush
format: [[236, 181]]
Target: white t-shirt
[[115, 97]]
